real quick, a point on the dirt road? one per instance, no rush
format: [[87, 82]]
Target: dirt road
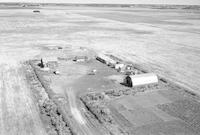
[[85, 128]]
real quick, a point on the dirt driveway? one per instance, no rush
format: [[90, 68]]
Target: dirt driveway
[[81, 121]]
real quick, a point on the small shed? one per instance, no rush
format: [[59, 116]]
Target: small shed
[[80, 58], [140, 79]]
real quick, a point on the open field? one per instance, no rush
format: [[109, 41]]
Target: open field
[[154, 37], [165, 41], [155, 113]]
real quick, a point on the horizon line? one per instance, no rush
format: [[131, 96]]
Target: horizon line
[[97, 3]]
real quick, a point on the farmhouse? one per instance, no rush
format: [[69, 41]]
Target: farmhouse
[[140, 79]]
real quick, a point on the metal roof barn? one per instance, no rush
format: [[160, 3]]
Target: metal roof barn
[[105, 59], [141, 79]]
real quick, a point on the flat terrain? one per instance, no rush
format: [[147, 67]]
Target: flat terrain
[[158, 112], [18, 113], [166, 41]]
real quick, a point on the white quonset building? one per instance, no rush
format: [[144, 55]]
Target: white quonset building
[[140, 79]]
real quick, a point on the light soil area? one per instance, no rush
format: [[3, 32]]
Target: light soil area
[[18, 112], [77, 114]]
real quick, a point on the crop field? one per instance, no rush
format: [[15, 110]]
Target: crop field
[[86, 98], [154, 113]]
